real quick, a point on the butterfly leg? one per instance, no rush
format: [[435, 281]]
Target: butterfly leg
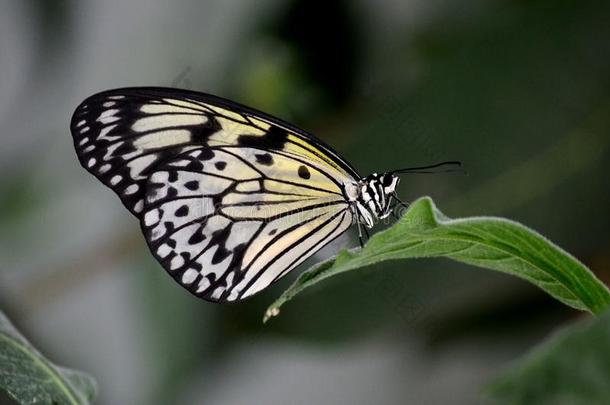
[[359, 226], [392, 209], [396, 217], [400, 202], [359, 233], [366, 232]]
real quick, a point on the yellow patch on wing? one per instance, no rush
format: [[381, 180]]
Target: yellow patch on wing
[[231, 131], [186, 103], [262, 124], [287, 168], [228, 113], [164, 108], [306, 149], [309, 220], [281, 187]]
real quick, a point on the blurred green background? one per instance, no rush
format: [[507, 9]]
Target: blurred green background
[[517, 90]]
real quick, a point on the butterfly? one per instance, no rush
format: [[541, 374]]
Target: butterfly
[[229, 199]]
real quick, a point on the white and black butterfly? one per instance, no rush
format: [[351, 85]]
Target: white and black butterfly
[[229, 199]]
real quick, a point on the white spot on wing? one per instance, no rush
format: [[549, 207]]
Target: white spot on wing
[[138, 206], [108, 120], [163, 250], [110, 150], [116, 179], [233, 295], [105, 132], [218, 292], [105, 168], [108, 116], [176, 262], [151, 217], [189, 276], [203, 284], [131, 189]]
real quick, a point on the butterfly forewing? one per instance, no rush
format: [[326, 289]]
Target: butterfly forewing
[[230, 199]]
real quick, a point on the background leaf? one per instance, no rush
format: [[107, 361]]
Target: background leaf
[[488, 242], [30, 378], [572, 367]]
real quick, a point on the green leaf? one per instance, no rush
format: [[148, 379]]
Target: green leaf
[[572, 367], [30, 378], [488, 242]]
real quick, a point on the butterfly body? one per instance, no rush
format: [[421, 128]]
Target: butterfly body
[[229, 199], [374, 196]]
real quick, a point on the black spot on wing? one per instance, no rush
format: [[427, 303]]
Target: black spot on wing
[[196, 237], [264, 159], [201, 133], [195, 165], [274, 139], [220, 165], [183, 211], [206, 154], [304, 172], [192, 185], [219, 238], [172, 192]]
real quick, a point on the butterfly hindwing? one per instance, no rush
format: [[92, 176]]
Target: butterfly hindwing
[[226, 237], [230, 199]]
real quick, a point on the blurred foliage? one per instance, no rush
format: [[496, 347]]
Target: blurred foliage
[[30, 378], [300, 72], [571, 367], [18, 198]]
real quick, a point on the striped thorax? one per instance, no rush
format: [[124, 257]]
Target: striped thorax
[[371, 196]]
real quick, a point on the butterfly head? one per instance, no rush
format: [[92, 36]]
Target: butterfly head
[[372, 196]]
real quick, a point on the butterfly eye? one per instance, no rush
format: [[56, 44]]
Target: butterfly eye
[[387, 180]]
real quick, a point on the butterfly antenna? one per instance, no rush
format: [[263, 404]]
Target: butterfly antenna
[[428, 169]]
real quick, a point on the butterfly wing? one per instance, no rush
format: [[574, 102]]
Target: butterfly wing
[[226, 224], [230, 199], [121, 135]]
